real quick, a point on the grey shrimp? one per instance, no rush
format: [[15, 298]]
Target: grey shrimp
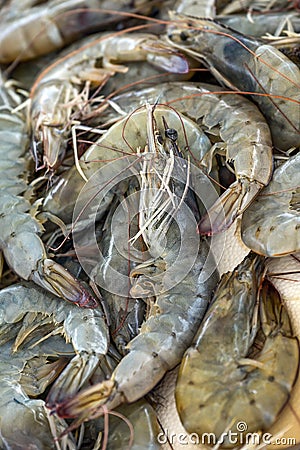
[[55, 95], [243, 363], [28, 32], [242, 135], [20, 243], [29, 315], [247, 64], [125, 312], [271, 225]]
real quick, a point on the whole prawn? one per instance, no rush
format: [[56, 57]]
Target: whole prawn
[[247, 64], [259, 359], [28, 32], [29, 316], [55, 95], [240, 132], [22, 247], [33, 353]]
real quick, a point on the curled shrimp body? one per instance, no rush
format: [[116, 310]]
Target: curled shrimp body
[[244, 374], [24, 421], [38, 338], [27, 33], [239, 130], [271, 226], [20, 243], [247, 64], [29, 315], [62, 197], [55, 95]]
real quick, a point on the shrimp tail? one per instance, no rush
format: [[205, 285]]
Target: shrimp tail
[[80, 406], [60, 282], [168, 60], [228, 207], [77, 372]]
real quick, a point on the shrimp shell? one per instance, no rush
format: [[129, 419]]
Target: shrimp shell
[[241, 131], [181, 292], [32, 32], [55, 90], [284, 274], [210, 400], [22, 247], [271, 225], [247, 64]]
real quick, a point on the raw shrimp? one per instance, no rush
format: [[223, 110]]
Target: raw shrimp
[[196, 8], [260, 5], [160, 345], [41, 29], [284, 274], [237, 127], [57, 93], [134, 426], [30, 315], [176, 281], [243, 365], [142, 418], [27, 372], [109, 148], [260, 25], [126, 313], [271, 225], [24, 421], [250, 65], [22, 247]]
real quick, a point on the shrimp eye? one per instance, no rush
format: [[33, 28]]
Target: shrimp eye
[[184, 36], [160, 139], [172, 134]]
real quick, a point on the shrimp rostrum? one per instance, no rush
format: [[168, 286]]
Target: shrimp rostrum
[[22, 247], [175, 280], [244, 360]]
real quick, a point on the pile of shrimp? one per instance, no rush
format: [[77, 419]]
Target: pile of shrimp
[[150, 224]]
